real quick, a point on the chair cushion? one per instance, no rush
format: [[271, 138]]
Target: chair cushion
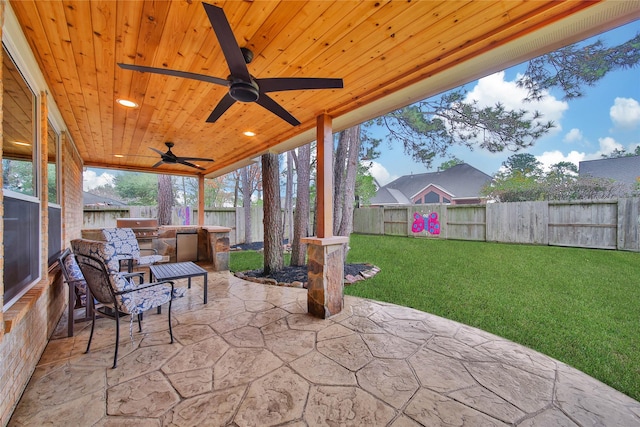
[[74, 274], [179, 292], [124, 240], [148, 260], [144, 299]]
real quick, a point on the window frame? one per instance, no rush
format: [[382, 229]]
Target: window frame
[[36, 252]]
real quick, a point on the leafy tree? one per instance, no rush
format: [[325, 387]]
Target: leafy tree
[[365, 187], [573, 67], [524, 164], [563, 172], [621, 153], [214, 191], [560, 183], [450, 163], [17, 175], [429, 128], [138, 189]]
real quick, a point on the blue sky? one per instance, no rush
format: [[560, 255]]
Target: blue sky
[[607, 117]]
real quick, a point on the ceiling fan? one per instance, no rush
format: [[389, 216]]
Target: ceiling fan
[[171, 158], [243, 86]]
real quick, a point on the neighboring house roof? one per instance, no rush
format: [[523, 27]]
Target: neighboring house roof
[[460, 181], [621, 169], [91, 199]]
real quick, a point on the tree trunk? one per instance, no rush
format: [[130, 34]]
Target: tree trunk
[[288, 199], [346, 222], [247, 190], [236, 178], [338, 178], [273, 258], [165, 199], [301, 213]]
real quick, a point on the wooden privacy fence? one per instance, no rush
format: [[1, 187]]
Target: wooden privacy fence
[[603, 224], [106, 216]]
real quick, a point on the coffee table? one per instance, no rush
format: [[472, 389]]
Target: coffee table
[[179, 270]]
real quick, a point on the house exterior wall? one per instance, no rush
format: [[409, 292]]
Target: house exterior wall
[[444, 197], [26, 327]]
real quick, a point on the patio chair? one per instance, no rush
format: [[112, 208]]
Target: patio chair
[[100, 266], [77, 289], [128, 248]]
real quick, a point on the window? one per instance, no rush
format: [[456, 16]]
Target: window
[[55, 213], [53, 139], [21, 204], [432, 197], [18, 162]]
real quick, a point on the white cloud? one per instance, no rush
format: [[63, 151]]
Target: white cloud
[[494, 89], [549, 158], [607, 145], [380, 173], [625, 113], [574, 135], [91, 180]]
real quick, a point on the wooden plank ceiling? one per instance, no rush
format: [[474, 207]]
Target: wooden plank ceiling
[[376, 47]]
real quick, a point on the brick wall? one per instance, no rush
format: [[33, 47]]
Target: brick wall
[[36, 315]]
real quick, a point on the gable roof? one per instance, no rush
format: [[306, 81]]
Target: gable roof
[[460, 181], [91, 199], [621, 169]]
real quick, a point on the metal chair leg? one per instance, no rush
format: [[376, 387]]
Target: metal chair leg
[[115, 355], [169, 315], [93, 325]]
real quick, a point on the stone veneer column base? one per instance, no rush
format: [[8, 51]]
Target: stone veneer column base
[[326, 275], [219, 247]]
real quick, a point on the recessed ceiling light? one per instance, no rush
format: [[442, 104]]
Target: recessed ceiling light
[[126, 103], [118, 155], [249, 133], [25, 144]]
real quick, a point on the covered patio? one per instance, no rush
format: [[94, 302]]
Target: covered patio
[[62, 88], [254, 357]]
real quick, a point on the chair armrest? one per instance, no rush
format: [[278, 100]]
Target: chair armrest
[[73, 281], [138, 274]]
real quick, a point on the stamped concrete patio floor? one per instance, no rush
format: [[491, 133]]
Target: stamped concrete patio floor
[[253, 357]]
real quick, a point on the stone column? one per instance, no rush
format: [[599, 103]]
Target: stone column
[[219, 247], [326, 275]]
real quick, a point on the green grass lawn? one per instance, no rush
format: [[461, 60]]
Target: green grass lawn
[[580, 306]]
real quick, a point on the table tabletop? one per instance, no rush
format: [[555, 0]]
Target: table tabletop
[[179, 270]]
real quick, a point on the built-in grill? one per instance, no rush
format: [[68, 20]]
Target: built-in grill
[[145, 229]]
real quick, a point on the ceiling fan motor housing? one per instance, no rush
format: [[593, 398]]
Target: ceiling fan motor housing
[[244, 91]]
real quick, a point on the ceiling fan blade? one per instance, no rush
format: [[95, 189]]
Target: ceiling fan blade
[[278, 84], [198, 159], [224, 104], [175, 73], [157, 151], [190, 164], [227, 40], [276, 109], [158, 164]]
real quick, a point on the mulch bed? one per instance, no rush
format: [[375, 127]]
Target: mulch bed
[[297, 276]]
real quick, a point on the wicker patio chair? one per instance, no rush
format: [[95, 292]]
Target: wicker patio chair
[[100, 266]]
